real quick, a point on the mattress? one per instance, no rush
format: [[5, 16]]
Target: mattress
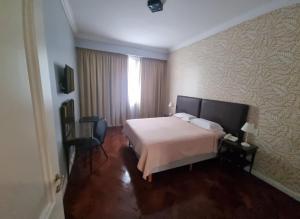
[[164, 142]]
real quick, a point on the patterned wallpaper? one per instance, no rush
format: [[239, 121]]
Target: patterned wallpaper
[[257, 63]]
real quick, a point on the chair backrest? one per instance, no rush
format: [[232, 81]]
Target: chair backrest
[[100, 130]]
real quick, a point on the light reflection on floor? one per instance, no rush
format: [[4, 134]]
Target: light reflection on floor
[[125, 177]]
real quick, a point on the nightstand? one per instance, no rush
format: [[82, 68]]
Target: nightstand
[[235, 153]]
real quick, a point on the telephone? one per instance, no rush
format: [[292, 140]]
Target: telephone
[[230, 137]]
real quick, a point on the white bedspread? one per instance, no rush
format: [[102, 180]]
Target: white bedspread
[[161, 141]]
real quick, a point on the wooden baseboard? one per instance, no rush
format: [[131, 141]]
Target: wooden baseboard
[[277, 185]]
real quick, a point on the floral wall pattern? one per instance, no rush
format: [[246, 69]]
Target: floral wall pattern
[[256, 63]]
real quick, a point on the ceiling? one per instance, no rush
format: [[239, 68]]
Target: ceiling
[[180, 23]]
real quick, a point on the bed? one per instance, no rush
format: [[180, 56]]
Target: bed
[[168, 142]]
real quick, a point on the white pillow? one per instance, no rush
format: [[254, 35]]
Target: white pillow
[[206, 124], [184, 116]]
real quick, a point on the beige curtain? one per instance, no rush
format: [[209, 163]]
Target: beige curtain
[[153, 87], [103, 85]]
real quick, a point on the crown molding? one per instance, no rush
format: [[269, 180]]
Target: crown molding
[[81, 36], [88, 42], [273, 5], [69, 14]]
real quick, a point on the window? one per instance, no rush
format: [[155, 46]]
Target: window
[[134, 81]]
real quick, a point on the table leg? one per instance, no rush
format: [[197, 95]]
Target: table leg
[[252, 161], [91, 161]]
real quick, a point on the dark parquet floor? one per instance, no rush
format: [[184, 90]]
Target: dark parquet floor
[[211, 190]]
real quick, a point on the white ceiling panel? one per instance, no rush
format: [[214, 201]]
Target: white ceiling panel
[[180, 23]]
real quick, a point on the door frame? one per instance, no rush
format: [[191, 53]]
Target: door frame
[[40, 88]]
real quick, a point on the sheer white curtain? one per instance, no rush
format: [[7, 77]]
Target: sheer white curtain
[[134, 86]]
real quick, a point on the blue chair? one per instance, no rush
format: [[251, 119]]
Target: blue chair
[[100, 129]]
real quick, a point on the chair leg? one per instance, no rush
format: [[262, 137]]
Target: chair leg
[[85, 159], [91, 161], [101, 146]]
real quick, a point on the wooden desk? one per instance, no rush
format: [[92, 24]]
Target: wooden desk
[[79, 130]]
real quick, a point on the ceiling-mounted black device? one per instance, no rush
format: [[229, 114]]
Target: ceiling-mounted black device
[[155, 5]]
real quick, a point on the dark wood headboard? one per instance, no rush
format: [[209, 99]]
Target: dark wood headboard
[[190, 105], [231, 116]]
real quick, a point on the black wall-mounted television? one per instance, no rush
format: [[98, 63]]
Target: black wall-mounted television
[[67, 81]]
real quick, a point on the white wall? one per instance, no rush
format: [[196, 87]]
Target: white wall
[[126, 49], [61, 50]]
